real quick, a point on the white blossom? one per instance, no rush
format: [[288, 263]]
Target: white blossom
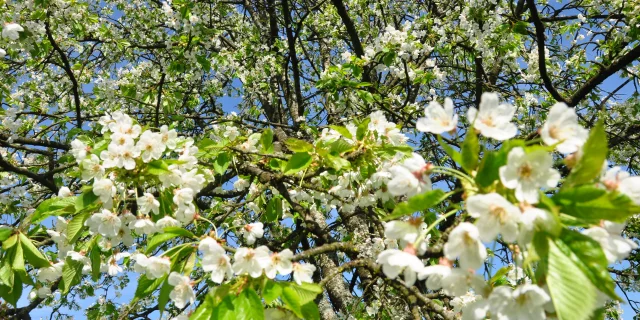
[[252, 231], [394, 262], [494, 215], [562, 128], [528, 172], [493, 119], [464, 243], [303, 272], [12, 31], [182, 293], [251, 261], [438, 119]]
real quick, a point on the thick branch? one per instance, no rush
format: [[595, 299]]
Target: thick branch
[[67, 68]]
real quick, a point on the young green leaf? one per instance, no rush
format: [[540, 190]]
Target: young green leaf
[[248, 305], [470, 151], [267, 141], [221, 163], [75, 226], [71, 273], [417, 203], [594, 154], [297, 145], [158, 167], [591, 203], [32, 254], [298, 162], [573, 295]]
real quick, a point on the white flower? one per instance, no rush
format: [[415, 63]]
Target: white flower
[[493, 119], [252, 231], [533, 219], [141, 262], [394, 262], [434, 275], [231, 132], [460, 302], [615, 246], [64, 192], [218, 264], [616, 179], [241, 184], [209, 246], [464, 242], [51, 273], [438, 119], [526, 302], [91, 168], [143, 226], [303, 272], [2, 53], [167, 221], [79, 150], [168, 137], [528, 172], [280, 264], [562, 128], [156, 267], [407, 231], [43, 292], [251, 261], [12, 31], [148, 203], [182, 292], [494, 214], [458, 282], [111, 266], [410, 178], [105, 223], [150, 146], [104, 189], [183, 197]]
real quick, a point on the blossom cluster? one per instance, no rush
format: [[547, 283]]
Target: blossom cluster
[[494, 216]]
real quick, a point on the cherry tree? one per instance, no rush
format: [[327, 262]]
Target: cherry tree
[[288, 159]]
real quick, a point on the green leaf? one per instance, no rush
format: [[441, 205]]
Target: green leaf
[[32, 254], [470, 150], [297, 145], [17, 258], [573, 295], [591, 203], [272, 291], [168, 234], [298, 161], [75, 226], [455, 155], [267, 141], [71, 273], [158, 167], [94, 255], [204, 311], [274, 210], [204, 62], [10, 242], [521, 28], [221, 163], [363, 128], [417, 203], [337, 162], [146, 286], [12, 294], [85, 199], [343, 131], [488, 172], [297, 299], [248, 305], [53, 206], [594, 154], [341, 146], [587, 254], [5, 232], [163, 298], [225, 309]]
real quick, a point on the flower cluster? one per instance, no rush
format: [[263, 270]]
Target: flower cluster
[[511, 213]]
